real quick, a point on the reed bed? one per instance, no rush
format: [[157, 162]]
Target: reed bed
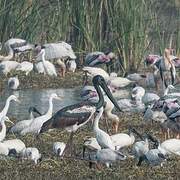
[[130, 28]]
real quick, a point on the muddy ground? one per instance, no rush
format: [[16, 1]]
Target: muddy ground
[[52, 167]]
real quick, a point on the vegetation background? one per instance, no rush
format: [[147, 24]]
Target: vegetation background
[[131, 28]]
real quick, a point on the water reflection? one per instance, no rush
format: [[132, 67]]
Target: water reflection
[[38, 98]]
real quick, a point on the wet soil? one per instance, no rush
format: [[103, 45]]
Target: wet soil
[[53, 167]]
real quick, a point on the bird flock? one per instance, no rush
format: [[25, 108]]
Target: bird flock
[[100, 99]]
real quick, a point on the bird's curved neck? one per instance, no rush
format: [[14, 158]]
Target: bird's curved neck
[[166, 91], [6, 107], [50, 110], [101, 97], [43, 57], [3, 131], [9, 56], [96, 120]]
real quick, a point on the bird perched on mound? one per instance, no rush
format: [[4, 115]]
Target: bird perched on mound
[[13, 83]]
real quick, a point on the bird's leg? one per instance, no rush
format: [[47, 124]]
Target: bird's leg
[[99, 166], [68, 147], [115, 126], [168, 133], [178, 135]]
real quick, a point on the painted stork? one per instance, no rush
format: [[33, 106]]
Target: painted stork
[[15, 45], [95, 58], [74, 116]]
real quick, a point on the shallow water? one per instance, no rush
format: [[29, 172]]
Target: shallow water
[[39, 99]]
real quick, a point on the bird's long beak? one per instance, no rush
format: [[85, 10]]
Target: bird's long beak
[[109, 94], [35, 110], [59, 98], [18, 101], [8, 120]]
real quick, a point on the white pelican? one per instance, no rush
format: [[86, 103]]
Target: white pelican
[[49, 68], [25, 66], [73, 117], [3, 130], [108, 156], [14, 45], [13, 83], [16, 144], [20, 125], [58, 148], [6, 107], [7, 66], [31, 153], [36, 124]]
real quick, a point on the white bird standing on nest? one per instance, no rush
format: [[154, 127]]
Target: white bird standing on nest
[[36, 124], [7, 66], [3, 130], [25, 66], [13, 83], [58, 148], [6, 107], [49, 68], [31, 153]]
